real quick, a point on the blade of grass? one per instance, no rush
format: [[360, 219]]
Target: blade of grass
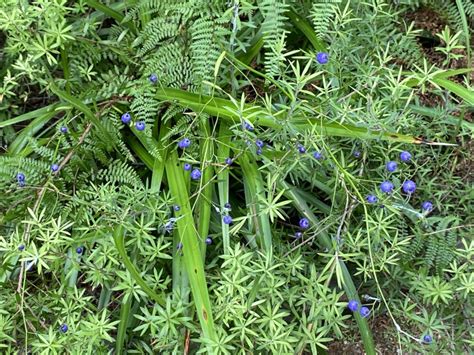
[[223, 151], [117, 16], [253, 182], [466, 32], [304, 26], [191, 250], [34, 126], [224, 108], [29, 115], [123, 325], [205, 196], [119, 235]]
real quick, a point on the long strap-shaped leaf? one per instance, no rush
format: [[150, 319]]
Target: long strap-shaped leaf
[[225, 108], [191, 250], [254, 186], [119, 235]]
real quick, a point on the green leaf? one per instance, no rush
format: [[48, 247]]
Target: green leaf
[[224, 108], [119, 235], [191, 250]]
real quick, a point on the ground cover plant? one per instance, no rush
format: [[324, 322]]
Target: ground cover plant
[[236, 177]]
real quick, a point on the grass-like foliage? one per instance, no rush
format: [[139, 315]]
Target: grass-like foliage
[[235, 177]]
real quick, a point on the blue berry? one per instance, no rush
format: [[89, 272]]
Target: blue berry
[[353, 305], [140, 125], [371, 198], [227, 219], [248, 126], [356, 154], [427, 206], [391, 166], [79, 250], [259, 151], [54, 168], [153, 78], [179, 246], [386, 187], [21, 247], [427, 339], [176, 208], [405, 156], [317, 155], [196, 174], [301, 149], [184, 143], [409, 187], [208, 240], [63, 328], [322, 57], [63, 129], [227, 206], [126, 118], [229, 161], [259, 143], [20, 177], [304, 223], [298, 235], [21, 183], [364, 312], [187, 167]]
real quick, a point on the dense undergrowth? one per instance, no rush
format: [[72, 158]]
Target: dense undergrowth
[[235, 177]]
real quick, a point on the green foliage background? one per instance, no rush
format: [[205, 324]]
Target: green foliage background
[[222, 65]]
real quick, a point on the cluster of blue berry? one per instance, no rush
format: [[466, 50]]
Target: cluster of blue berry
[[408, 186]]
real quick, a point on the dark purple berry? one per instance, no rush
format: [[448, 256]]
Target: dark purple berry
[[228, 161], [54, 168], [227, 219], [63, 328], [259, 151], [304, 223], [356, 154], [153, 78], [140, 125], [353, 305], [196, 174], [259, 143], [298, 235], [21, 247], [405, 156], [371, 198], [227, 206], [176, 208], [386, 187], [427, 206], [20, 177], [21, 183], [184, 143], [391, 166], [63, 129], [208, 240], [79, 250], [187, 166], [322, 57], [248, 126], [409, 187], [126, 118], [427, 339], [301, 149], [317, 155], [364, 312]]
